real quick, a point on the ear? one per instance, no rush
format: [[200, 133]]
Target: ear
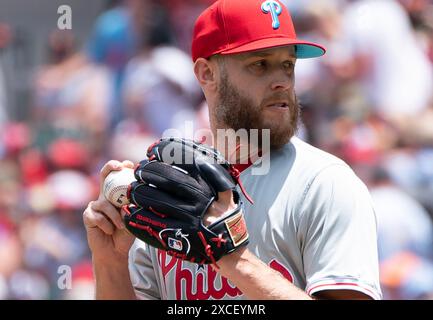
[[206, 72]]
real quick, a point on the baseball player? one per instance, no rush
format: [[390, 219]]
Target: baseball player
[[312, 227]]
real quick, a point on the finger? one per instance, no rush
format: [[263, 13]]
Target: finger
[[94, 219], [111, 212], [124, 211], [112, 165], [128, 164]]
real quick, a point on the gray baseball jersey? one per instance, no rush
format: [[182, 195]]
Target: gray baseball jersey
[[312, 220]]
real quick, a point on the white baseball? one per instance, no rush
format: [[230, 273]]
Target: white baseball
[[116, 186]]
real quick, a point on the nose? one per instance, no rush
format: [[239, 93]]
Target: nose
[[282, 81]]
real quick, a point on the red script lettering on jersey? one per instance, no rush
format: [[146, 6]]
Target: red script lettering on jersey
[[208, 283]]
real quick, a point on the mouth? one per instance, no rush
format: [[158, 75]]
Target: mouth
[[278, 106]]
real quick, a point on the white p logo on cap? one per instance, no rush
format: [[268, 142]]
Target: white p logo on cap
[[273, 7]]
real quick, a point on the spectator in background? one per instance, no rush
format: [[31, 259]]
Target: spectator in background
[[10, 248], [52, 236], [410, 167], [386, 57], [5, 35], [405, 239], [160, 89], [392, 65], [114, 41], [70, 95], [404, 225], [182, 15]]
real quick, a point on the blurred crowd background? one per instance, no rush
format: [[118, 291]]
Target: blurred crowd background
[[72, 99]]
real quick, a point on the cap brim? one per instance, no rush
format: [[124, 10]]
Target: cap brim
[[304, 49]]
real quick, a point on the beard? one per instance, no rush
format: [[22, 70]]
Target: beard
[[237, 111]]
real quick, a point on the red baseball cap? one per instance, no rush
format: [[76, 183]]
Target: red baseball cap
[[235, 26]]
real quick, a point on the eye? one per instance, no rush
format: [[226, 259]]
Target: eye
[[289, 65], [261, 64]]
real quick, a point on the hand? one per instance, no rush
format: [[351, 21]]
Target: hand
[[216, 211], [219, 208], [106, 234]]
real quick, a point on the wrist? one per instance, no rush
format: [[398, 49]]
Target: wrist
[[113, 281], [233, 262], [110, 270], [220, 208], [115, 260]]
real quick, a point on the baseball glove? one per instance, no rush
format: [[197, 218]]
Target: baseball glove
[[174, 189]]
